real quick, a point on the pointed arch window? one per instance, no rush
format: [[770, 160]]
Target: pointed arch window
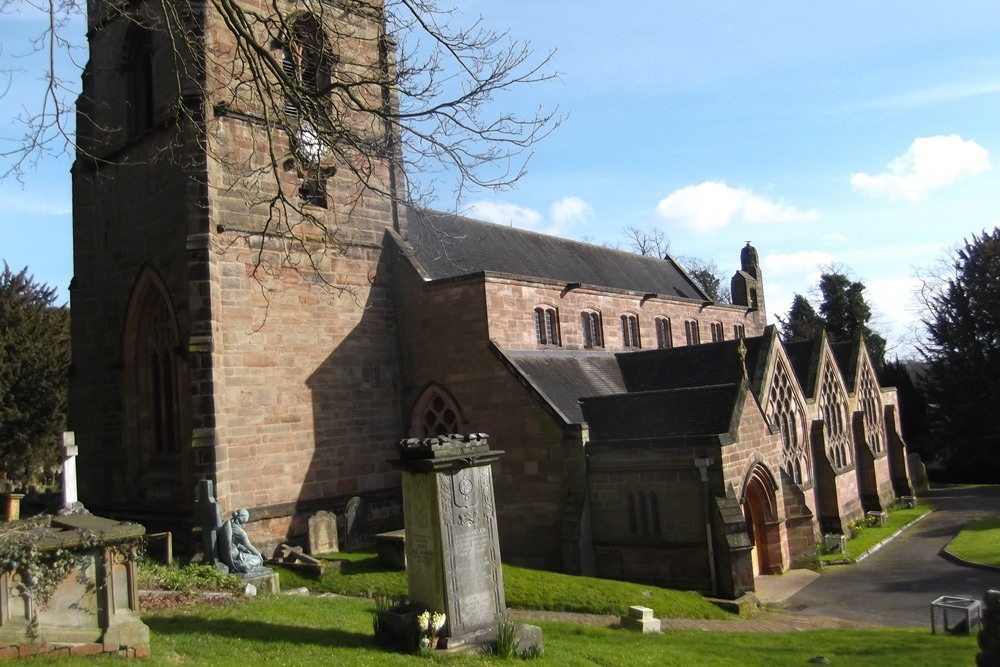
[[870, 404], [785, 412], [833, 408], [718, 333], [436, 413]]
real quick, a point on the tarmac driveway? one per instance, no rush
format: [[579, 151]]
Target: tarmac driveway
[[895, 585]]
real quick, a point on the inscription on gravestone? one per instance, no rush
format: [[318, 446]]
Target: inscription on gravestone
[[452, 547]]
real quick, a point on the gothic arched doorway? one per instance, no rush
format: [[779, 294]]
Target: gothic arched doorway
[[760, 512]]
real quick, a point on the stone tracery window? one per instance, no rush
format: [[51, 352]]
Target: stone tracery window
[[870, 404], [833, 408], [546, 325], [436, 413], [784, 410]]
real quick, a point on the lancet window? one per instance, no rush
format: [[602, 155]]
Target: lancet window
[[785, 412], [833, 408]]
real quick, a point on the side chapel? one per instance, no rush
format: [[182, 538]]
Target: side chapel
[[649, 433]]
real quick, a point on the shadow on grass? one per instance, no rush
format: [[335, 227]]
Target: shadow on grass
[[258, 631]]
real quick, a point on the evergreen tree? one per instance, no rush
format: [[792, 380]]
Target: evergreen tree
[[962, 351], [843, 313], [34, 363]]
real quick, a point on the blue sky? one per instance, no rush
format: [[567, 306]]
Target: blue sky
[[857, 134]]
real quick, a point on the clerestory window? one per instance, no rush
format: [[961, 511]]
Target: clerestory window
[[691, 333], [546, 325], [630, 330], [664, 335], [593, 333]]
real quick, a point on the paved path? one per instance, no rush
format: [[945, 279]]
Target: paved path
[[895, 585]]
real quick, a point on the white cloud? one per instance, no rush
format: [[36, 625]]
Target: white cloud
[[835, 237], [804, 261], [569, 212], [504, 214], [713, 205], [564, 215], [929, 164]]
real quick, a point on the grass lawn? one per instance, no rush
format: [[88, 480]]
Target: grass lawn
[[289, 630], [361, 574], [979, 542], [872, 535]]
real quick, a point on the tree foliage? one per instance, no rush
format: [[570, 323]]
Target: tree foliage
[[34, 363], [710, 278], [843, 313], [962, 354]]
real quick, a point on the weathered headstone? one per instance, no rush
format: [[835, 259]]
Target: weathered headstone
[[452, 549], [71, 502], [323, 533], [355, 525]]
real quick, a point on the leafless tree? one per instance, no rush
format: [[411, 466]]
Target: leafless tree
[[650, 242], [710, 277], [370, 90]]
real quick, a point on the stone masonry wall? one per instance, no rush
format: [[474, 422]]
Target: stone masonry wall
[[511, 305], [443, 333]]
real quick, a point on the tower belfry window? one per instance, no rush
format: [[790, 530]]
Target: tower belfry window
[[308, 62]]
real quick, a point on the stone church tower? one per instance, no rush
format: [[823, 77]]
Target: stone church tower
[[232, 316]]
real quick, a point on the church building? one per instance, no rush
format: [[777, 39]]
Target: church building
[[649, 433]]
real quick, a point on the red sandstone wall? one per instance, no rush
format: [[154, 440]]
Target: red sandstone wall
[[511, 305], [444, 339]]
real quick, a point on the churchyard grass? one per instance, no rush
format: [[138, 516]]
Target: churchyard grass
[[869, 536], [361, 574], [978, 542], [292, 630]]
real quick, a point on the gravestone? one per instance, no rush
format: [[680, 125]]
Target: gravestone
[[452, 549], [323, 533], [355, 526], [71, 503]]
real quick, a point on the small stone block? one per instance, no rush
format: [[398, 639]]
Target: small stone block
[[643, 613], [87, 649], [8, 652], [529, 638]]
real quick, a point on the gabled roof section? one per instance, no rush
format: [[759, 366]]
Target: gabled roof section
[[696, 365], [667, 414], [448, 246], [805, 356], [561, 377], [847, 356]]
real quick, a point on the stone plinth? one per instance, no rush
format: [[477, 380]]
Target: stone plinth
[[94, 607], [640, 619], [452, 548]]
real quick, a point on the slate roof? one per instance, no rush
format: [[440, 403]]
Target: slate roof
[[448, 246], [691, 366], [804, 357], [665, 414], [563, 376], [846, 355]]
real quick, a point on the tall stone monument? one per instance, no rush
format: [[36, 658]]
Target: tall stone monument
[[452, 549]]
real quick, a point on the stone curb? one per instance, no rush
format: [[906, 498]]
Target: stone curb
[[879, 545], [893, 536], [944, 553]]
